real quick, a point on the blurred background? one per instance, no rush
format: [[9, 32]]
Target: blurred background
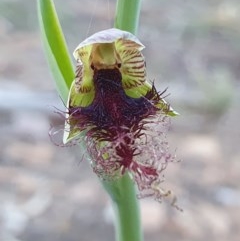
[[48, 193]]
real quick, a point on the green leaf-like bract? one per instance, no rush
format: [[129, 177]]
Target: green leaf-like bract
[[55, 47]]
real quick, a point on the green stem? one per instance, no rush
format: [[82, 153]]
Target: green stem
[[55, 47], [122, 191], [125, 203], [127, 15]]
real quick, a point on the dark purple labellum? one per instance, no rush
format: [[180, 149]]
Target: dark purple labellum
[[117, 132], [111, 106]]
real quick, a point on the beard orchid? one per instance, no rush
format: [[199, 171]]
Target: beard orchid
[[120, 115]]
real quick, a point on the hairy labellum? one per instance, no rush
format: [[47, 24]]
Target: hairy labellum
[[123, 117]]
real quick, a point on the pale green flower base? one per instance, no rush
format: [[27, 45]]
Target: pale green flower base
[[121, 191]]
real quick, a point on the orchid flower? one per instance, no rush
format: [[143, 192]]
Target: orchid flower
[[123, 117]]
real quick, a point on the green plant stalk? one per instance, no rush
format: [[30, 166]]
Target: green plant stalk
[[55, 47], [127, 15], [122, 191], [126, 209]]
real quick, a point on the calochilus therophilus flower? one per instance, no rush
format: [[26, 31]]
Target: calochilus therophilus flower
[[123, 117]]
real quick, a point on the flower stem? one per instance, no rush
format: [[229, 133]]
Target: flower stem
[[122, 191], [127, 15], [55, 47], [125, 204]]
